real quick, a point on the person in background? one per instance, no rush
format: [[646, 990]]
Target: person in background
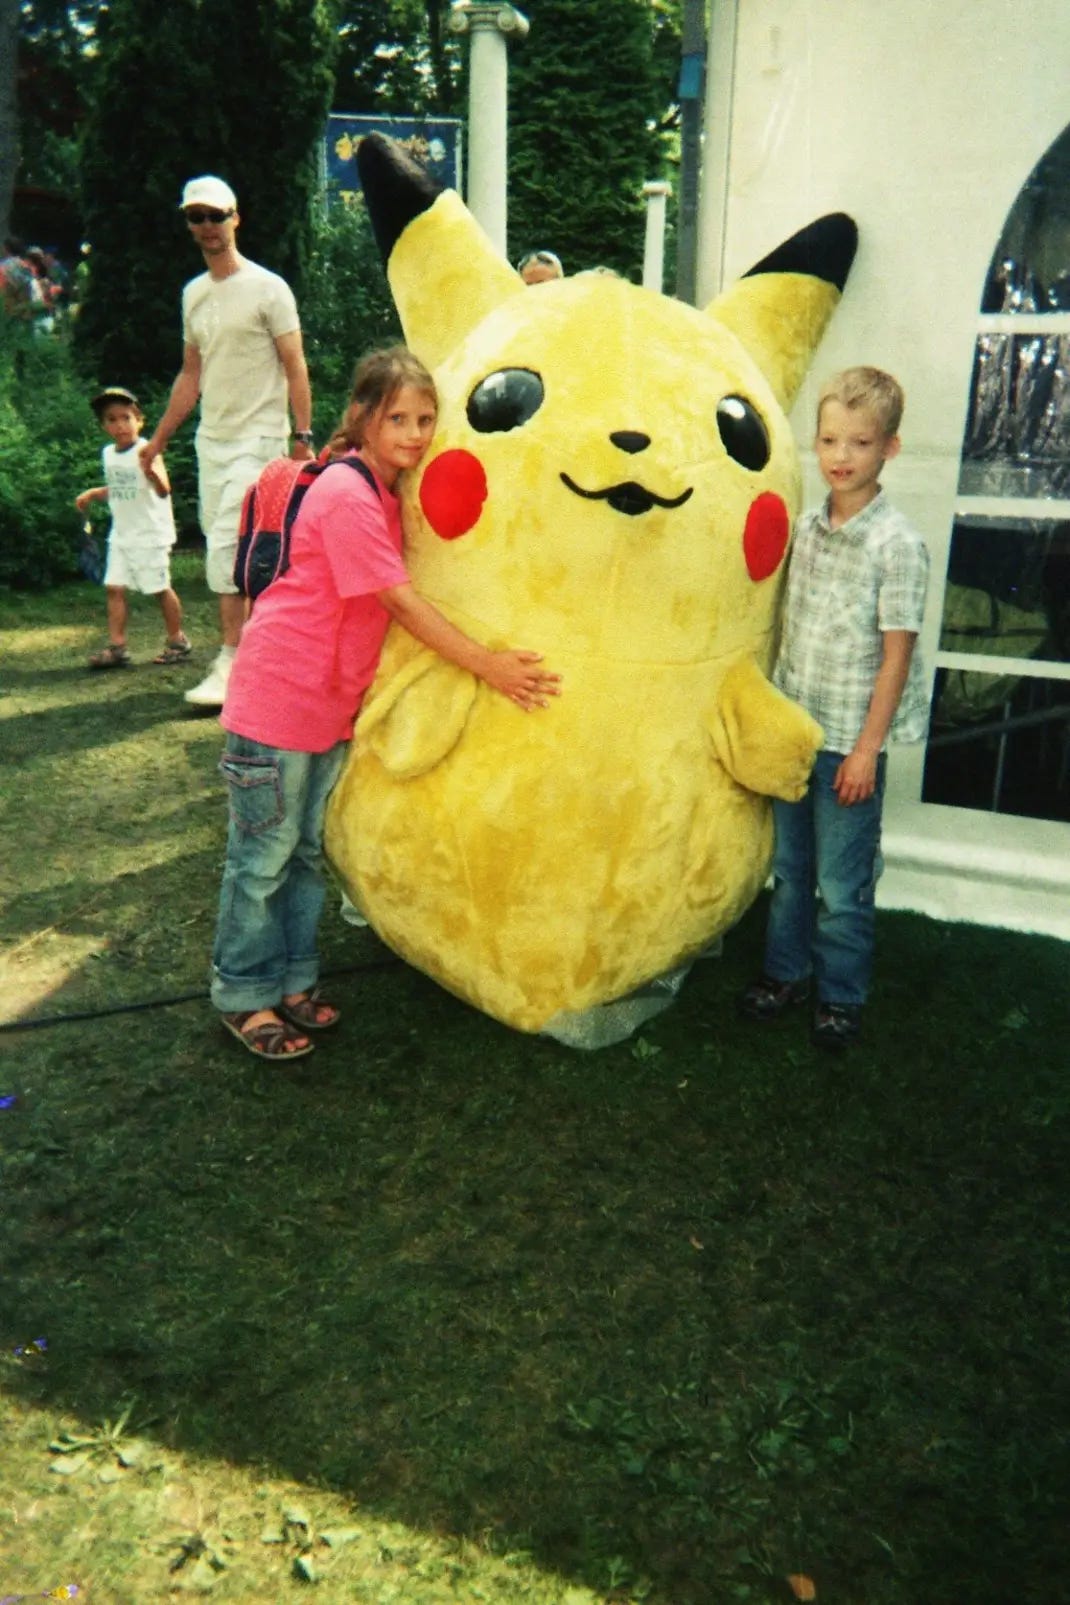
[[307, 656], [854, 605], [142, 530], [537, 267], [44, 292], [16, 281], [244, 361]]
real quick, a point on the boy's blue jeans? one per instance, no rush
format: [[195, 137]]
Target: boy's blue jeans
[[834, 851], [273, 890]]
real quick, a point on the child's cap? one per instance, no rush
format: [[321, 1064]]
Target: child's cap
[[111, 394], [209, 191]]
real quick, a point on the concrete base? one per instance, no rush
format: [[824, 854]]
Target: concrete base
[[985, 869]]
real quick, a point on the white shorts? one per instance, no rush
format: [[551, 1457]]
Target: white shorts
[[139, 568], [225, 470]]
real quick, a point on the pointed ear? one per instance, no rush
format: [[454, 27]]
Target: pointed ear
[[780, 310], [444, 272]]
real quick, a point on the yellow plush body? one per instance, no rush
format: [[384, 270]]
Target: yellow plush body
[[547, 862]]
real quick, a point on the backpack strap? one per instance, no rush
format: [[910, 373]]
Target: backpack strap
[[310, 472], [363, 470]]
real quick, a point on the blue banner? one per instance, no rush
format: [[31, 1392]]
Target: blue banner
[[435, 142]]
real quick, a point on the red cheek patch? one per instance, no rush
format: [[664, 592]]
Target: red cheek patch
[[452, 493], [765, 538]]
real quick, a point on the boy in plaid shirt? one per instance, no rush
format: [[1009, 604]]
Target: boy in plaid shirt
[[854, 605]]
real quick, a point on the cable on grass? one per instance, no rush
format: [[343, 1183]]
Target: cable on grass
[[200, 996]]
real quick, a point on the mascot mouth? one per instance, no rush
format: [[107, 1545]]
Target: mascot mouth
[[628, 497]]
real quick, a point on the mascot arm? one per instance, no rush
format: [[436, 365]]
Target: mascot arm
[[419, 704], [414, 717], [765, 742]]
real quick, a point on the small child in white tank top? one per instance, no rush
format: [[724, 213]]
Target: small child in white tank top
[[142, 531]]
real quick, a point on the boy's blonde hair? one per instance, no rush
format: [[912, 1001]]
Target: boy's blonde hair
[[870, 388], [377, 379]]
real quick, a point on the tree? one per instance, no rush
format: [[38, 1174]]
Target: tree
[[254, 116], [9, 120], [585, 98], [45, 62], [395, 56]]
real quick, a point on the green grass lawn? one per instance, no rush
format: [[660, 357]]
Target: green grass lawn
[[448, 1313]]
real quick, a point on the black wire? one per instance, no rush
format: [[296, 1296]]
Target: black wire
[[163, 1003]]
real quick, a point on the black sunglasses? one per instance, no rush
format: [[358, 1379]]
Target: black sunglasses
[[206, 214]]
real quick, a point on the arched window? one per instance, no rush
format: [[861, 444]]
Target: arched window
[[1000, 734]]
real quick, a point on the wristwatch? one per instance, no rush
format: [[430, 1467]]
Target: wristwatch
[[304, 436]]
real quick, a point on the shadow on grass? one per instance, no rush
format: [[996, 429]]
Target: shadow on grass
[[684, 1316], [65, 731]]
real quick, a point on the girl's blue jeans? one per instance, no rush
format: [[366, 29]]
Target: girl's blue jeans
[[273, 889], [826, 862]]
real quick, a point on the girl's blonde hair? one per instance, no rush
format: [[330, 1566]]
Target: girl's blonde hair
[[376, 380], [870, 388]]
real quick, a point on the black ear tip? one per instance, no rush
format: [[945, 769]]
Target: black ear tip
[[374, 157], [396, 188], [840, 234], [824, 249]]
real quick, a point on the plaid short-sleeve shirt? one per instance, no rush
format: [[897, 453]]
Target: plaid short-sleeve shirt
[[845, 587]]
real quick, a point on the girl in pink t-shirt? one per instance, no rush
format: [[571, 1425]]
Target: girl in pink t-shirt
[[307, 655]]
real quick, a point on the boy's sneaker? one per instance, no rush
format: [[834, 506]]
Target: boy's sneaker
[[836, 1024], [765, 998], [212, 691]]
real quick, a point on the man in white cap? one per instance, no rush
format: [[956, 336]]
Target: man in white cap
[[244, 361]]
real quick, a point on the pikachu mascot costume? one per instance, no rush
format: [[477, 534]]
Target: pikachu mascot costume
[[612, 483]]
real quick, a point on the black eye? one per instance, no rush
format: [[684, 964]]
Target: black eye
[[743, 432], [505, 400]]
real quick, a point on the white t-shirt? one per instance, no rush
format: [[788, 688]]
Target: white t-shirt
[[138, 516], [234, 323]]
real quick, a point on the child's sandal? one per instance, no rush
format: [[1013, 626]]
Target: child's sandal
[[110, 657], [276, 1040], [311, 1013], [174, 652]]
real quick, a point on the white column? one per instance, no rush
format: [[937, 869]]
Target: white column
[[490, 26], [655, 194], [713, 187]]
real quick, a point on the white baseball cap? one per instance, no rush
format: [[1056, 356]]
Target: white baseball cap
[[209, 191]]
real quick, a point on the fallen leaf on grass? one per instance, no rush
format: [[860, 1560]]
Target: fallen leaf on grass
[[337, 1536], [68, 1465], [802, 1586]]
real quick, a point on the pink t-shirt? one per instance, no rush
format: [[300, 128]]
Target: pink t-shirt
[[311, 646]]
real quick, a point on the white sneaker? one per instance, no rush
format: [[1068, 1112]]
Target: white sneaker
[[212, 691]]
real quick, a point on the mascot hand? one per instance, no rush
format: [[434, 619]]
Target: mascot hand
[[766, 743]]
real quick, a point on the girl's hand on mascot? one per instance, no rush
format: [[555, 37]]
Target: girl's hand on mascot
[[516, 675]]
